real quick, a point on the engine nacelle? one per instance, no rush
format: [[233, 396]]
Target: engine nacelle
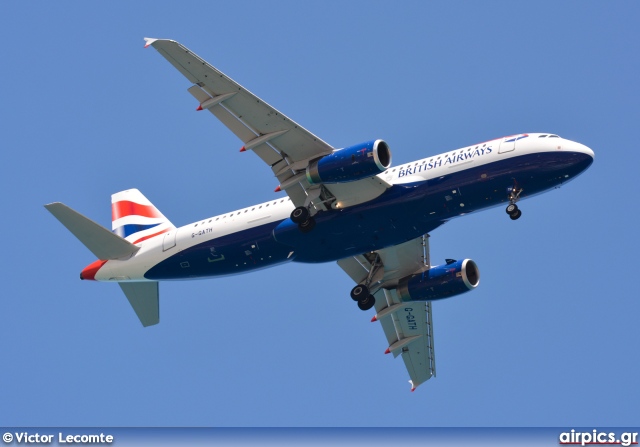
[[443, 281], [351, 163]]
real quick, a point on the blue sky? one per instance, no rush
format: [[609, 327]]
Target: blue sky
[[549, 338]]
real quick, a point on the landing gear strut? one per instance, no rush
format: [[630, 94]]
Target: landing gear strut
[[514, 195], [361, 292], [303, 218]]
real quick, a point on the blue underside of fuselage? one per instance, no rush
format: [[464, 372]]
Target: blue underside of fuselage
[[402, 213]]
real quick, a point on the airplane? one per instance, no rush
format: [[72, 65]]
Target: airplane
[[346, 205]]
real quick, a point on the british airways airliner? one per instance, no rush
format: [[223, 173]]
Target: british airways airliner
[[346, 205]]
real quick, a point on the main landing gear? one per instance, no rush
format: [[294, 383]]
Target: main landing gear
[[303, 218], [361, 294], [514, 195]]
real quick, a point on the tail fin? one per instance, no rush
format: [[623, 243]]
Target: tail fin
[[134, 218]]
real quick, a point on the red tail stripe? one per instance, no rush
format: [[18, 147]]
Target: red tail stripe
[[89, 272], [151, 235], [126, 208]]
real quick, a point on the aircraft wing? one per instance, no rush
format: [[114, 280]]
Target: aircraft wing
[[408, 327], [280, 142]]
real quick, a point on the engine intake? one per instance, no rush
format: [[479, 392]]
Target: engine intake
[[351, 163], [443, 281]]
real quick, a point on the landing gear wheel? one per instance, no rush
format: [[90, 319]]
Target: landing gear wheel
[[367, 303], [359, 292], [511, 208], [300, 215], [307, 225], [516, 215]]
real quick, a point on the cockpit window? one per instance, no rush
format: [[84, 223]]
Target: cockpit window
[[542, 136], [554, 136]]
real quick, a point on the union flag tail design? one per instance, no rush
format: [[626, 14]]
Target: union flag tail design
[[135, 219]]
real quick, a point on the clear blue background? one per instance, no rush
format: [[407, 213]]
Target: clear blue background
[[549, 338]]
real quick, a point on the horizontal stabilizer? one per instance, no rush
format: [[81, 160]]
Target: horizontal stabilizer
[[144, 298], [103, 243]]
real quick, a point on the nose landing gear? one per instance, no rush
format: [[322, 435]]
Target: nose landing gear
[[513, 211], [514, 195]]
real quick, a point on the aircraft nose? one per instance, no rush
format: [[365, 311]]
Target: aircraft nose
[[578, 147]]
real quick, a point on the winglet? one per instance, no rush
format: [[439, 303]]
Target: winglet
[[413, 387], [149, 41]]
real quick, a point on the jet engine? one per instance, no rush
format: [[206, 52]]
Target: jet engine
[[351, 163], [443, 281]]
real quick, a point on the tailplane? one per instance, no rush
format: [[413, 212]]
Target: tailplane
[[102, 242], [135, 219], [144, 298]]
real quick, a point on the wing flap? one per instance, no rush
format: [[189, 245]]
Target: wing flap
[[410, 322], [405, 259], [250, 118], [254, 113], [419, 357], [354, 193], [354, 268], [407, 327]]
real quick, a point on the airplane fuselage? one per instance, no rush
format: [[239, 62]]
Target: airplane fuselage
[[424, 194]]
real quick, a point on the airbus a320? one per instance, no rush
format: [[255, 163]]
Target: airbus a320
[[346, 205]]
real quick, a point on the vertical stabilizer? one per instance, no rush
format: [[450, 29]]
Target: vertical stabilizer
[[134, 218]]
